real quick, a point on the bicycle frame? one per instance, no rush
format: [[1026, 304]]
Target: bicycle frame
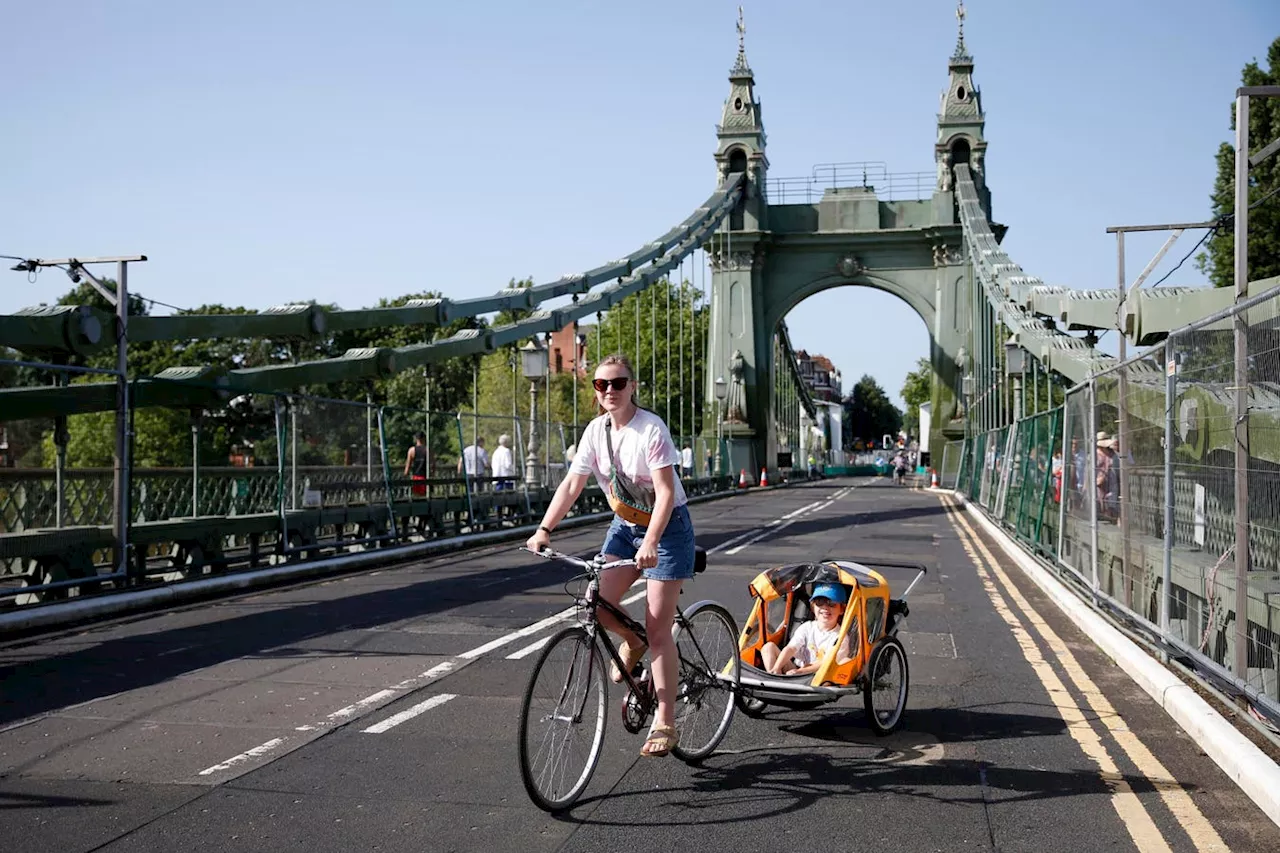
[[592, 603]]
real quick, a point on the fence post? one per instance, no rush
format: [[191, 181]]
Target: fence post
[[1048, 478], [520, 461], [1171, 400], [281, 436], [1242, 387], [124, 421], [60, 438], [1091, 486], [1064, 493], [368, 435], [466, 475], [293, 452], [195, 463], [386, 476]]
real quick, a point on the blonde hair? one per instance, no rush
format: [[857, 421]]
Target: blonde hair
[[618, 358]]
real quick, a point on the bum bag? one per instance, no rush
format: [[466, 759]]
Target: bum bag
[[629, 501]]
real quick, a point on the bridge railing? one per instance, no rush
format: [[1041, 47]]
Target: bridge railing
[[1139, 493], [874, 176], [262, 479]]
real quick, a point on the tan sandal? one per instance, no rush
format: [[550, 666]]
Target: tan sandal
[[630, 657], [660, 742]]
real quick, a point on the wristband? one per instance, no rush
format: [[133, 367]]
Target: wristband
[[545, 529]]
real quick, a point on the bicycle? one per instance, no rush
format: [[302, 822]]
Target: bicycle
[[567, 696]]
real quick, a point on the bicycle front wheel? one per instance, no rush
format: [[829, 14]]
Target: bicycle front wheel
[[562, 720], [710, 672]]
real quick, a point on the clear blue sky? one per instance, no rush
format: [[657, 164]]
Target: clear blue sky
[[268, 152]]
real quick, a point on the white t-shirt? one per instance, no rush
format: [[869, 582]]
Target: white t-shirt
[[470, 454], [811, 642], [503, 462], [686, 457], [641, 447]]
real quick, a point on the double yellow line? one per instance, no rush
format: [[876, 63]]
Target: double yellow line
[[1137, 821]]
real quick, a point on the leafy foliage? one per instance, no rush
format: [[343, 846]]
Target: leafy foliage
[[1218, 261], [869, 414], [668, 386], [916, 389]]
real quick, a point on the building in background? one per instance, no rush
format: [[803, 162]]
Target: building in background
[[569, 350], [820, 375]]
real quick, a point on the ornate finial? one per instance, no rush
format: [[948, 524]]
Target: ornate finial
[[960, 51], [742, 40]]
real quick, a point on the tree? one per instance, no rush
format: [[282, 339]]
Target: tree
[[669, 386], [869, 412], [1218, 260], [916, 389]]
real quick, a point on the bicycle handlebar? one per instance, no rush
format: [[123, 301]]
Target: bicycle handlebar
[[593, 565]]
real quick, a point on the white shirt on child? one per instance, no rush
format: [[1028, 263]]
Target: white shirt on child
[[811, 642], [641, 447]]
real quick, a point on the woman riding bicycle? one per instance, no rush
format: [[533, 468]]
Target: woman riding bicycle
[[631, 454]]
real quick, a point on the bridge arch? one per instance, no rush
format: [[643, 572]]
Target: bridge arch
[[778, 308], [757, 285]]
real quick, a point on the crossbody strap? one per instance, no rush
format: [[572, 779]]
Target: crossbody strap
[[633, 491]]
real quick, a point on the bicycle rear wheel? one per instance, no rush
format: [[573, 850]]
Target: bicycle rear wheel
[[710, 672], [562, 720]]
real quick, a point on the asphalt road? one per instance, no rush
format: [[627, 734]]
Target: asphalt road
[[377, 711]]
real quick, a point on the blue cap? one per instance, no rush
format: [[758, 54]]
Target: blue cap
[[830, 591]]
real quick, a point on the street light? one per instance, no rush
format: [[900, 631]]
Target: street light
[[1014, 364], [722, 389], [966, 390], [579, 368], [533, 356]]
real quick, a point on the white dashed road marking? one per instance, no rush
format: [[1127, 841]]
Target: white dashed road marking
[[408, 714]]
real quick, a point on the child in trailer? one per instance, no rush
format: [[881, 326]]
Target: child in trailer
[[811, 641]]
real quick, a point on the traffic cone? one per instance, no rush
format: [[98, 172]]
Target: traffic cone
[[764, 477], [933, 479], [742, 479]]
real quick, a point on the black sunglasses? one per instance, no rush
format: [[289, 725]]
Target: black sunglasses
[[618, 383]]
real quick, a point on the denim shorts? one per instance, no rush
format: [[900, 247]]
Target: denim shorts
[[675, 548]]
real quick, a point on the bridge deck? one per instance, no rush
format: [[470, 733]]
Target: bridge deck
[[243, 724]]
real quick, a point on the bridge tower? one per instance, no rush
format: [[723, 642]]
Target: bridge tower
[[960, 125], [737, 259], [770, 256]]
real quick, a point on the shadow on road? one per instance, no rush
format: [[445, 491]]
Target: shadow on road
[[116, 664], [848, 761]]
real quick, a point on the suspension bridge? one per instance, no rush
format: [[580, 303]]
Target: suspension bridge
[[1019, 388]]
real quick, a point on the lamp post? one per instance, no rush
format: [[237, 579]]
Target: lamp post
[[966, 390], [1014, 364], [722, 389], [534, 360], [547, 405], [579, 368]]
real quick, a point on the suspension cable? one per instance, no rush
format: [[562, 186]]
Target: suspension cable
[[653, 342], [680, 340], [667, 353]]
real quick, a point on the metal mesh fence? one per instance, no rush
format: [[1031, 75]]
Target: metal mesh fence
[[1129, 414], [1149, 471], [57, 487], [55, 471], [221, 480], [1202, 575], [949, 468], [1075, 539]]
